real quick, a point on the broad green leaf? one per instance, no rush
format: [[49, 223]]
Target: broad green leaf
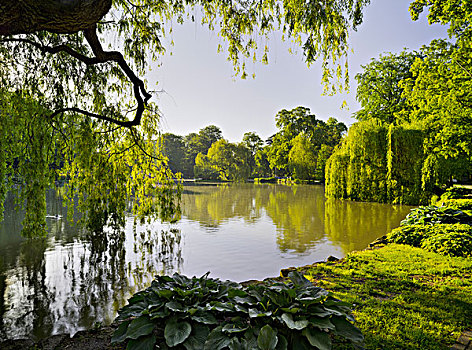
[[181, 279], [322, 323], [176, 331], [318, 338], [217, 340], [175, 306], [292, 310], [298, 325], [133, 310], [119, 334], [244, 300], [164, 279], [299, 280], [138, 297], [159, 313], [235, 344], [300, 343], [197, 338], [319, 311], [256, 313], [334, 311], [241, 308], [347, 329], [310, 300], [282, 344], [165, 293], [233, 328], [222, 307], [251, 337], [204, 317], [267, 339], [140, 326], [142, 343], [236, 293]]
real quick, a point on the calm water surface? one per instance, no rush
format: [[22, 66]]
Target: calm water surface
[[69, 281]]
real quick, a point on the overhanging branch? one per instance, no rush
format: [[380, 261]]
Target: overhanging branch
[[141, 95]]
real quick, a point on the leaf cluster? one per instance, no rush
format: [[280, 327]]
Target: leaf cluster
[[204, 313], [431, 215], [445, 239]]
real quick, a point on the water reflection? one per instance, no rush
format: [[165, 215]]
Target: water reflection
[[352, 226], [301, 214], [71, 280]]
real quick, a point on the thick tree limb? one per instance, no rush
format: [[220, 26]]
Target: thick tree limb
[[124, 123], [115, 56], [55, 16]]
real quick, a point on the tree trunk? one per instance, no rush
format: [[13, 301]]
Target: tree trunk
[[57, 16]]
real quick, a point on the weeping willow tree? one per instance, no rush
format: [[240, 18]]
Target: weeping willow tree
[[104, 175], [379, 162], [357, 170], [405, 160], [75, 106]]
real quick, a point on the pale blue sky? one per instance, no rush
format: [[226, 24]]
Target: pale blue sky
[[200, 90]]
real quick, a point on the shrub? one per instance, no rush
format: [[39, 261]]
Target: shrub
[[459, 204], [445, 239], [456, 192], [451, 243], [430, 215], [410, 235], [204, 313]]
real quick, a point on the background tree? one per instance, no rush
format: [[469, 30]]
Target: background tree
[[292, 124], [198, 143], [378, 90], [230, 161], [261, 163], [173, 147], [302, 158], [439, 96], [254, 144]]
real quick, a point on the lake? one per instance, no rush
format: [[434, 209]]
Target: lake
[[69, 281]]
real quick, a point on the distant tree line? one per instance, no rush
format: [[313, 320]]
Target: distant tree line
[[300, 149]]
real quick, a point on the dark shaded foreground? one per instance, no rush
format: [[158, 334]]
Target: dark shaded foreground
[[95, 339]]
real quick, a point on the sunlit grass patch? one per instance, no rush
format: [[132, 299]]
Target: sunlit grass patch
[[403, 297]]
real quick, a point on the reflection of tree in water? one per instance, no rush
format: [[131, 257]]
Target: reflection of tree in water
[[213, 205], [298, 213], [159, 253], [353, 225], [301, 214], [25, 291], [71, 279]]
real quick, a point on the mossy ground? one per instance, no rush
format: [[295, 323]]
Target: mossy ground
[[403, 297]]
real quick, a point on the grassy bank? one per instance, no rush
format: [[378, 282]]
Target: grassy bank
[[403, 297]]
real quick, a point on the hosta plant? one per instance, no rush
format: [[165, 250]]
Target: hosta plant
[[430, 215], [204, 313]]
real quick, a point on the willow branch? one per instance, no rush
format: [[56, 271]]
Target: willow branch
[[101, 56]]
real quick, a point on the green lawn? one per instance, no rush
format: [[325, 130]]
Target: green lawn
[[403, 297]]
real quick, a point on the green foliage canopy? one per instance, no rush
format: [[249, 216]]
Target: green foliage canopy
[[300, 129], [228, 160], [378, 90]]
